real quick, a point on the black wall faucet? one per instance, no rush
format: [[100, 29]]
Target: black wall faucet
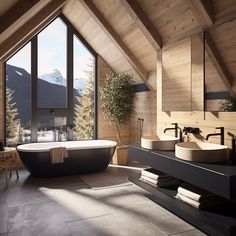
[[221, 134]]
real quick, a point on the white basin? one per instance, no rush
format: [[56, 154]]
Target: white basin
[[201, 152], [160, 142]]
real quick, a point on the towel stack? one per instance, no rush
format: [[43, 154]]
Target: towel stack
[[198, 197], [157, 178]]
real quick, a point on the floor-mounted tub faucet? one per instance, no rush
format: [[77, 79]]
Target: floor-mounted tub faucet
[[233, 149], [221, 134]]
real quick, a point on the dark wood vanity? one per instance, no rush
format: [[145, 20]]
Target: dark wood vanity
[[219, 179]]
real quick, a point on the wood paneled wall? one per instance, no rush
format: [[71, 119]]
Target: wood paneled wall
[[1, 101], [145, 108], [105, 129], [176, 86], [206, 121]]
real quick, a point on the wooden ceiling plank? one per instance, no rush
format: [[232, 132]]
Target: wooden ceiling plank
[[107, 28], [203, 12], [219, 64], [28, 30], [183, 36], [145, 25], [16, 12], [229, 16]]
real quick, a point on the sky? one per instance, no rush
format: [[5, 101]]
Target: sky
[[52, 52]]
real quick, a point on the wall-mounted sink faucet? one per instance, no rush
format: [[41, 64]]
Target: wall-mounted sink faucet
[[191, 130], [176, 128], [221, 134]]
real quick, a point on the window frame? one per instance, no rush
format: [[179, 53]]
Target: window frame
[[68, 111]]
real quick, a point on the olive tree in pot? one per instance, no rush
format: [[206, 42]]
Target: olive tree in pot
[[117, 98]]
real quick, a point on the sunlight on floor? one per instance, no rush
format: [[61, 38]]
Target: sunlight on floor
[[126, 167]]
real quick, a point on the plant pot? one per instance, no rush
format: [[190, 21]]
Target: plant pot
[[120, 156]]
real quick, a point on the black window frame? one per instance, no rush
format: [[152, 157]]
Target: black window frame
[[56, 112]]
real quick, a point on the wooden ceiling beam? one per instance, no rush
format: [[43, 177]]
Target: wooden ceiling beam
[[219, 64], [15, 13], [110, 32], [203, 11], [145, 25], [30, 28]]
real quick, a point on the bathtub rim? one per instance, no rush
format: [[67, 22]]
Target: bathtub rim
[[106, 144]]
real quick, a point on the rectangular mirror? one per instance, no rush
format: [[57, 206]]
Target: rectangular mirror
[[183, 75], [220, 51]]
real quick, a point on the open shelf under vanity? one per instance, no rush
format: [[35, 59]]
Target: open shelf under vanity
[[217, 178]]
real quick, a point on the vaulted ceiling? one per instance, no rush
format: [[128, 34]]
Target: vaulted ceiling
[[127, 34]]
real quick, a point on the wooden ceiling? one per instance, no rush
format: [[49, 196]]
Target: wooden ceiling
[[127, 34]]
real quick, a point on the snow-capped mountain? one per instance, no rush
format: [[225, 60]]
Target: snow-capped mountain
[[56, 78]]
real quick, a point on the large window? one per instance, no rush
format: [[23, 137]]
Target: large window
[[18, 96], [84, 75], [52, 59], [50, 87]]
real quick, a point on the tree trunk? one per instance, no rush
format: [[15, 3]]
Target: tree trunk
[[118, 135]]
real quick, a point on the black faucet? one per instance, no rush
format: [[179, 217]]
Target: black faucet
[[191, 130], [222, 135], [176, 128], [233, 149]]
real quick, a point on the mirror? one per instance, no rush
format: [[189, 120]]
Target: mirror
[[183, 75], [220, 51]]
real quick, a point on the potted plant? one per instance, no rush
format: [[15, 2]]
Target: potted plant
[[117, 97]]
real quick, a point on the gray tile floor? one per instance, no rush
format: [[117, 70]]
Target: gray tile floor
[[100, 204]]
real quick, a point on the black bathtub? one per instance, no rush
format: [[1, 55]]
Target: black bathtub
[[84, 157]]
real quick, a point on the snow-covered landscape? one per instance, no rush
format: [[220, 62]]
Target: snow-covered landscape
[[55, 77]]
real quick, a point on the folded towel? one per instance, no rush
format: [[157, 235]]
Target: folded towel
[[193, 192], [205, 203], [153, 173], [58, 154], [165, 182]]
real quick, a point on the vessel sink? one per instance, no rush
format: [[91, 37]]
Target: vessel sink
[[201, 152], [160, 142]]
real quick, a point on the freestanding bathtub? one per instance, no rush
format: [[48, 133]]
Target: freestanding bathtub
[[84, 157]]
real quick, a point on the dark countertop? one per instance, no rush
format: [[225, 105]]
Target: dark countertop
[[219, 178]]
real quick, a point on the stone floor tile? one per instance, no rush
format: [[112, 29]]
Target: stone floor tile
[[110, 177], [193, 232], [130, 200], [38, 219], [113, 226], [3, 234], [3, 220], [77, 204], [104, 203], [172, 225]]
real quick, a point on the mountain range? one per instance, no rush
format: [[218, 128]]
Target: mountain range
[[51, 91], [56, 78]]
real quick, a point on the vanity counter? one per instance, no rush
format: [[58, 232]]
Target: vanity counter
[[218, 178]]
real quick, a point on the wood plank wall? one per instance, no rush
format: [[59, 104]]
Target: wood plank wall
[[105, 129], [145, 108], [206, 121], [1, 101], [176, 61]]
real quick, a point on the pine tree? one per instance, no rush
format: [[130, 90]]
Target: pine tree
[[84, 109], [12, 123]]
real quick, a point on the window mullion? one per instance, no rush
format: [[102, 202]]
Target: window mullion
[[70, 75]]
